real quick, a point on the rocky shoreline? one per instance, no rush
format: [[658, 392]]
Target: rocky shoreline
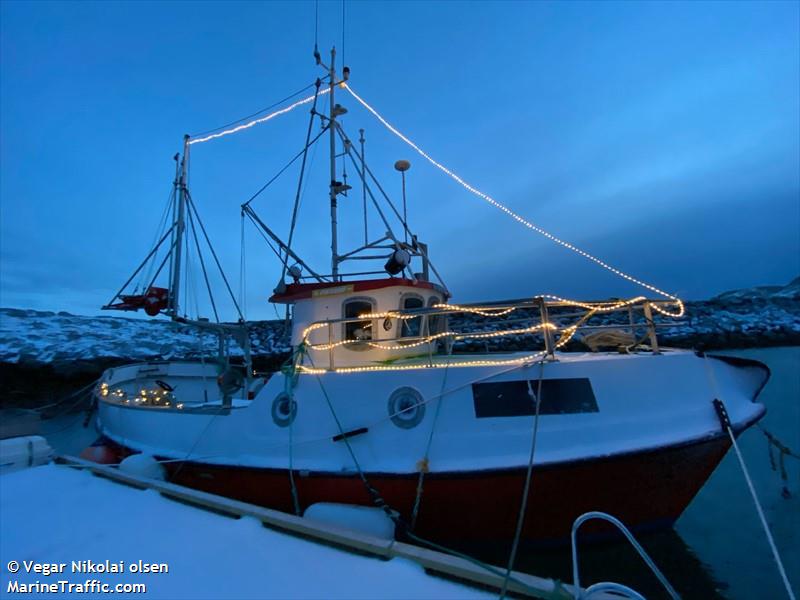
[[44, 354]]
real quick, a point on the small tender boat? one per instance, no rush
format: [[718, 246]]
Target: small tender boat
[[377, 406]]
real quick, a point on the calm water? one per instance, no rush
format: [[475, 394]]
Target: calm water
[[717, 549]]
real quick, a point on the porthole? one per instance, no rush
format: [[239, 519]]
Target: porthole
[[406, 407], [284, 410]]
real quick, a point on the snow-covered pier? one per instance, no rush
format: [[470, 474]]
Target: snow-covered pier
[[58, 515]]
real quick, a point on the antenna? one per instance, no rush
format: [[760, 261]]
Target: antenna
[[362, 141], [403, 166]]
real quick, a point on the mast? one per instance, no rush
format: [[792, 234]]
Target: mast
[[180, 226], [333, 188]]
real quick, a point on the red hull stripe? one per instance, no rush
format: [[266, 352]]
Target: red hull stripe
[[643, 489], [300, 291]]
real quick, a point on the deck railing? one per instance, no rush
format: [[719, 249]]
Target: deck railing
[[551, 319]]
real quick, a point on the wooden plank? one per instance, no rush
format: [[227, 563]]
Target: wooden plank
[[446, 564]]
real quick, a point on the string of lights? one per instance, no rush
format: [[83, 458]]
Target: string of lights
[[399, 345], [567, 335], [517, 217], [263, 119]]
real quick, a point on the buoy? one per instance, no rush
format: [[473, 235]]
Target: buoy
[[143, 465], [364, 519], [23, 452], [101, 454]]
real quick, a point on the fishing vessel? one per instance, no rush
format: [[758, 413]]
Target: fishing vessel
[[378, 403]]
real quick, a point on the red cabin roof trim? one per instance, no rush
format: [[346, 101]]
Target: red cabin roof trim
[[301, 291]]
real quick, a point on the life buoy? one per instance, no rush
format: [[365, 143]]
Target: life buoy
[[155, 301], [230, 382]]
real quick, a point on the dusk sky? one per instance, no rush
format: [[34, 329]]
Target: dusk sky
[[662, 137]]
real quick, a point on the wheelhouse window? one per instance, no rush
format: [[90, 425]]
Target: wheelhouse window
[[411, 327], [358, 330], [436, 323]]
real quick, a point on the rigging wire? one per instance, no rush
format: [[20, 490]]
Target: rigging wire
[[678, 302], [343, 30], [205, 273], [162, 224], [514, 215], [283, 169], [192, 207], [255, 114], [250, 124], [300, 180], [242, 273], [266, 239]]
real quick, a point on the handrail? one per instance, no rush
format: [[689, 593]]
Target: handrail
[[550, 324], [609, 586], [515, 304]]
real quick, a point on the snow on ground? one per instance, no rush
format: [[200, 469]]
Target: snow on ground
[[55, 514], [760, 316], [44, 336]]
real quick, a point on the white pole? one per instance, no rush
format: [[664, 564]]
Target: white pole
[[332, 125]]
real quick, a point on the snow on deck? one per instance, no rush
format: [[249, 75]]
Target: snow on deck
[[56, 514]]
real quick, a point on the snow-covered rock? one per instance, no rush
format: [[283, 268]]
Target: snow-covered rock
[[758, 316]]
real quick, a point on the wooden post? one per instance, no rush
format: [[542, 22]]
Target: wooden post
[[330, 349], [547, 333], [651, 328]]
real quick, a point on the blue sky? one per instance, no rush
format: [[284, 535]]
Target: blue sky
[[662, 137]]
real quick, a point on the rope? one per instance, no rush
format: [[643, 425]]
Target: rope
[[300, 181], [424, 463], [290, 380], [537, 399], [726, 424], [395, 515], [65, 398]]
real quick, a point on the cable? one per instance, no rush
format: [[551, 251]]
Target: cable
[[722, 414], [286, 166], [271, 106], [537, 398], [514, 215], [250, 124]]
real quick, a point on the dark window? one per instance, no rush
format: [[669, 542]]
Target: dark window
[[513, 398], [357, 330], [436, 323], [411, 327]]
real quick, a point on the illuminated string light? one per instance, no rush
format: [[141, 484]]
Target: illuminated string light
[[431, 338], [484, 312], [569, 332], [517, 217], [598, 306], [264, 119]]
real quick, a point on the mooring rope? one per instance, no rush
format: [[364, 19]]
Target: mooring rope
[[537, 399], [726, 425]]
